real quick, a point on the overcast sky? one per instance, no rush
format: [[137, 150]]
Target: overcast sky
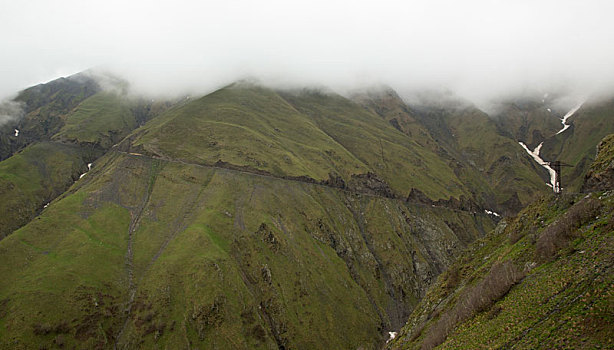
[[477, 48]]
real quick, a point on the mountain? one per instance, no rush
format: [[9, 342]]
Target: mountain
[[541, 280], [68, 123], [576, 146], [250, 217], [495, 165]]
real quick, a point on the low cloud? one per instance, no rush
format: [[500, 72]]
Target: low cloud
[[479, 49], [10, 111]]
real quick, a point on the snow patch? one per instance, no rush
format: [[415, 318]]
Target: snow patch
[[489, 212], [535, 155], [46, 205], [16, 132], [391, 335], [566, 116], [549, 110], [89, 167]]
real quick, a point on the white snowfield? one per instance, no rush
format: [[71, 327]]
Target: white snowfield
[[16, 132], [566, 116], [535, 155]]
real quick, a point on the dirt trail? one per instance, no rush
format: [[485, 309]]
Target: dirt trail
[[134, 223], [295, 180]]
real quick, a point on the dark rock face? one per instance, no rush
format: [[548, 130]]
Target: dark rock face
[[334, 180], [370, 183], [461, 203]]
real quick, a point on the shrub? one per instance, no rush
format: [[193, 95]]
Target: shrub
[[558, 234], [498, 281]]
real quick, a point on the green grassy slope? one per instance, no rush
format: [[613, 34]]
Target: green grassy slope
[[542, 281], [561, 302], [248, 126], [101, 120], [43, 107], [304, 134], [146, 252], [32, 178], [386, 103], [399, 160], [83, 123], [600, 175]]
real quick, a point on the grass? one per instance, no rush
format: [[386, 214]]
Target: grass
[[564, 301], [102, 119], [320, 273], [310, 135], [32, 177], [577, 146]]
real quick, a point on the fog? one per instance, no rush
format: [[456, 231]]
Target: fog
[[479, 49]]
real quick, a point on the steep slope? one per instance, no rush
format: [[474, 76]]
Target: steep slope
[[200, 255], [527, 119], [542, 281], [600, 175], [32, 178], [314, 135], [576, 145], [395, 158], [386, 103], [197, 231], [42, 107], [491, 162], [70, 123]]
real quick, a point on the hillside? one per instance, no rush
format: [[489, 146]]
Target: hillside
[[272, 255], [250, 217], [68, 123], [576, 146], [221, 221], [492, 163], [543, 280]]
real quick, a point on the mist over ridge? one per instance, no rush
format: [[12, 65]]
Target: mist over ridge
[[479, 50]]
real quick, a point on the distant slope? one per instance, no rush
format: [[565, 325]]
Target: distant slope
[[32, 178], [101, 120], [542, 281], [577, 145], [82, 121], [489, 161], [386, 103], [400, 161], [43, 107], [529, 120]]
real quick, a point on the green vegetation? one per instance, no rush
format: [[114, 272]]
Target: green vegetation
[[252, 218], [219, 257], [528, 120], [577, 145], [305, 134], [32, 178], [555, 291], [494, 166], [102, 120]]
